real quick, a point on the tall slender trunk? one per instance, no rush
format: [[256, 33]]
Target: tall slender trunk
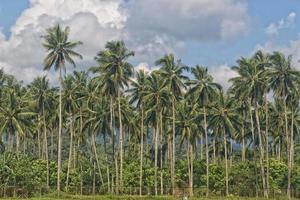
[[156, 153], [267, 142], [254, 149], [243, 144], [121, 139], [206, 150], [46, 143], [214, 149], [52, 147], [173, 147], [261, 149], [226, 164], [188, 164], [161, 156], [141, 149], [191, 168], [70, 150], [39, 137], [290, 165], [288, 191], [117, 185], [96, 157], [107, 164], [59, 132]]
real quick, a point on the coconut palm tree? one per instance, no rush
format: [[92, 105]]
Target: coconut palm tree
[[114, 66], [172, 71], [189, 131], [42, 94], [60, 50], [137, 93], [224, 117], [156, 98], [202, 90], [283, 80], [15, 113], [250, 84]]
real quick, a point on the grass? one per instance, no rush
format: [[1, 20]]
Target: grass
[[64, 196]]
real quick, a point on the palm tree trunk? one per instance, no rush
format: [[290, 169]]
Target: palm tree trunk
[[121, 139], [70, 150], [173, 147], [96, 157], [267, 142], [226, 165], [287, 147], [141, 149], [214, 149], [156, 155], [39, 138], [206, 150], [59, 132], [290, 165], [161, 156], [243, 144], [46, 143], [188, 164], [261, 151]]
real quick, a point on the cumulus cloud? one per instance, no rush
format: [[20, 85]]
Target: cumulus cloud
[[150, 27], [222, 74], [274, 28], [292, 48]]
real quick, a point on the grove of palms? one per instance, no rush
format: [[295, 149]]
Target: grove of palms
[[166, 131]]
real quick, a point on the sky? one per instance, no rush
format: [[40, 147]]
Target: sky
[[212, 33]]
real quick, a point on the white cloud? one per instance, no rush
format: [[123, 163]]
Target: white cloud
[[222, 74], [150, 27], [274, 28]]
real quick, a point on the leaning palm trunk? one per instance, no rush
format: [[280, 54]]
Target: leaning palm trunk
[[226, 164], [70, 151], [261, 149], [141, 150], [206, 150], [59, 132], [173, 148], [97, 159]]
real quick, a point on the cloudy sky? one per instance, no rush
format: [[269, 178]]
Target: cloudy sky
[[213, 33]]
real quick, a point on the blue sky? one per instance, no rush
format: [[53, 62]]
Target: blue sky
[[152, 40]]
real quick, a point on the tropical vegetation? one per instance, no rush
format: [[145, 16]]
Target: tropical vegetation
[[115, 130]]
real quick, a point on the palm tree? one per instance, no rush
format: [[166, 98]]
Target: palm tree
[[60, 50], [224, 117], [156, 98], [42, 93], [137, 91], [189, 131], [202, 90], [250, 84], [115, 67], [15, 113], [283, 81], [172, 73]]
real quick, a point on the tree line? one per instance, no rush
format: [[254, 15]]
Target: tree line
[[112, 116]]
